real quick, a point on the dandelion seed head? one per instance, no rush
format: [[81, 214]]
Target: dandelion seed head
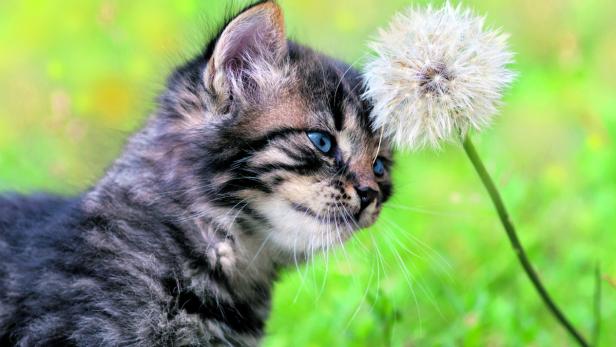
[[436, 73]]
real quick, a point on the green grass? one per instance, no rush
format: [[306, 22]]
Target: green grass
[[76, 77]]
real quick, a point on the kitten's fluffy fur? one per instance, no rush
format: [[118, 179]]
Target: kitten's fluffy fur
[[180, 242]]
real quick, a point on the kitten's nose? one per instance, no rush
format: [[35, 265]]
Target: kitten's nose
[[366, 195]]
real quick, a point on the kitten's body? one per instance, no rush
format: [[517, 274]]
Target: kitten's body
[[126, 276], [180, 242]]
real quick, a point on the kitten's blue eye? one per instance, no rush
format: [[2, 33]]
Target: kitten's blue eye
[[378, 167], [321, 140]]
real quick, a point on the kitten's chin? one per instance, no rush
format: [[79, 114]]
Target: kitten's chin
[[298, 230]]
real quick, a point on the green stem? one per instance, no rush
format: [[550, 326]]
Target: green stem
[[597, 303], [515, 242]]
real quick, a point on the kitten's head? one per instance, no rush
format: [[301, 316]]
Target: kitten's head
[[275, 137]]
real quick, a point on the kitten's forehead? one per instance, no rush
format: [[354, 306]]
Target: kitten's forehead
[[333, 93], [316, 93], [329, 86]]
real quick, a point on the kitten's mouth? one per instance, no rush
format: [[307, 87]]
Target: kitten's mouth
[[329, 218]]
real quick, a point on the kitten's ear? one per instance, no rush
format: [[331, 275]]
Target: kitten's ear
[[252, 39]]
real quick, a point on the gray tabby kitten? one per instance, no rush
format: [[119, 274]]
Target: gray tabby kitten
[[260, 153]]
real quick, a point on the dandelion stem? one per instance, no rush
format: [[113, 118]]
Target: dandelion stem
[[469, 148], [597, 311]]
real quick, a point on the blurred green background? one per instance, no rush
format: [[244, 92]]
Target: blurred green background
[[77, 77]]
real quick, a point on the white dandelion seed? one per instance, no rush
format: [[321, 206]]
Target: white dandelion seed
[[436, 73]]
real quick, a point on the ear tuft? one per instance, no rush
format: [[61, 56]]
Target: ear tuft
[[255, 36]]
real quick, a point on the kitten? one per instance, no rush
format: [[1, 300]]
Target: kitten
[[260, 153]]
